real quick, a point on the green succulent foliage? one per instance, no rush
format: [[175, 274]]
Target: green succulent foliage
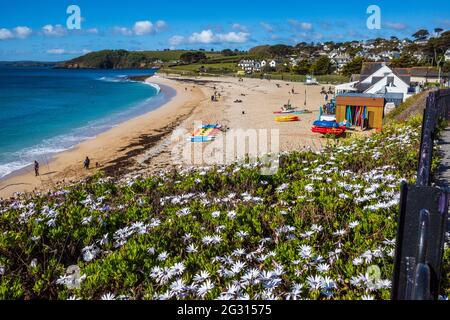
[[125, 236]]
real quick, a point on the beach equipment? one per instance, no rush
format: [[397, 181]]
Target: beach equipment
[[330, 118], [326, 124], [287, 119], [328, 127], [206, 133], [202, 139], [323, 130], [293, 112], [356, 116]]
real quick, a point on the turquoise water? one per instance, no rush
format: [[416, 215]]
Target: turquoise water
[[44, 111]]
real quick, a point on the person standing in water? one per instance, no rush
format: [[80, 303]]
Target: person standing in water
[[87, 163], [36, 168]]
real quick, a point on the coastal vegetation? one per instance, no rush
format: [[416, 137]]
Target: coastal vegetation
[[313, 230], [123, 59]]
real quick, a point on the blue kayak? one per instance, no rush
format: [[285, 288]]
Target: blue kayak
[[326, 124], [202, 139], [210, 126]]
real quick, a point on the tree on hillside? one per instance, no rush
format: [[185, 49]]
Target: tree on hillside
[[353, 67], [446, 67], [280, 50], [260, 52], [228, 53], [422, 34], [436, 47], [303, 67], [322, 66], [193, 57], [405, 61], [438, 31]]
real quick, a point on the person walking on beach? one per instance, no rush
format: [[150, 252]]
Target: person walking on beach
[[36, 168], [87, 163]]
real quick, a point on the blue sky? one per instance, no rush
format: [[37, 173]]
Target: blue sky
[[36, 30]]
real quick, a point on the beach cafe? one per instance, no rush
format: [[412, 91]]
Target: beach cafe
[[361, 110]]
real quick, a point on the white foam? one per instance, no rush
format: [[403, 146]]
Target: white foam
[[111, 79], [154, 85], [43, 152]]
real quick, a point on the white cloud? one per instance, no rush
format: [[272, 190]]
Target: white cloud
[[240, 27], [59, 51], [123, 31], [395, 25], [209, 37], [176, 40], [22, 32], [92, 31], [206, 36], [300, 25], [306, 26], [54, 31], [6, 34], [160, 25], [267, 27], [56, 51], [142, 28], [233, 37]]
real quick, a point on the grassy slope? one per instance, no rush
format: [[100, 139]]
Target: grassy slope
[[411, 107], [310, 231]]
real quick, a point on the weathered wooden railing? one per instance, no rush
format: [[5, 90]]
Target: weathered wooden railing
[[423, 217]]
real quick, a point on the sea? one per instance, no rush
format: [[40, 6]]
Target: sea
[[44, 111]]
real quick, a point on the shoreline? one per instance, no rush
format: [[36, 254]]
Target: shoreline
[[152, 103], [146, 145], [106, 148]]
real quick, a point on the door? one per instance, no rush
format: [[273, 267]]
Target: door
[[371, 116]]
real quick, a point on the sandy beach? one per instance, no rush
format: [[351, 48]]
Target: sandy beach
[[146, 144]]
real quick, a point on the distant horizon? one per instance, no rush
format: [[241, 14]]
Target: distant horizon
[[41, 31]]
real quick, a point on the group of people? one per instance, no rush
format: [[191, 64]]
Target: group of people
[[86, 166]]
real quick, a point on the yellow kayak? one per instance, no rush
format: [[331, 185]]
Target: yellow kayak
[[287, 119]]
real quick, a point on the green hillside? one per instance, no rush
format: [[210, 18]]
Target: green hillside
[[121, 59]]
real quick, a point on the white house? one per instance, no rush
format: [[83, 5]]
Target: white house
[[447, 55], [341, 60], [382, 80], [263, 63], [250, 66], [273, 64]]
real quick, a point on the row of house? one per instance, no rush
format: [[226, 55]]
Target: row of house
[[339, 58], [250, 66]]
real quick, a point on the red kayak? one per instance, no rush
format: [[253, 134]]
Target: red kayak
[[323, 130]]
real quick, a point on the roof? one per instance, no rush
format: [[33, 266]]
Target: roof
[[347, 86], [424, 72], [363, 86], [361, 95], [360, 99], [369, 68]]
